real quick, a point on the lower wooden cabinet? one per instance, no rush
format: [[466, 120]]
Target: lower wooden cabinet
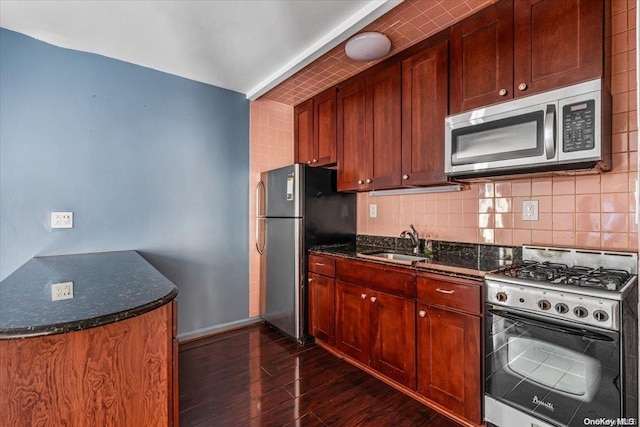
[[321, 307], [377, 329], [393, 342], [449, 360], [352, 321], [420, 331]]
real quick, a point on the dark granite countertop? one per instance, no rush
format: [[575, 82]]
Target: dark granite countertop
[[107, 287], [449, 260]]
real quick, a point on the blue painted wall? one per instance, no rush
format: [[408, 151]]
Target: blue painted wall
[[145, 160]]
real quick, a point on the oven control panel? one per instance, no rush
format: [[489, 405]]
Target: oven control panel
[[585, 309]]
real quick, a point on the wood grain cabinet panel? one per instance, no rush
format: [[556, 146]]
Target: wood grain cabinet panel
[[369, 130], [352, 320], [556, 43], [449, 362], [425, 101], [315, 130], [393, 347], [321, 308], [521, 47], [113, 375], [482, 58]]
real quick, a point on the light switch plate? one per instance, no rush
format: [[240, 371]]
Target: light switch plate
[[530, 210]]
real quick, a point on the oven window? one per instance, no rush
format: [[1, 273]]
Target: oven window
[[504, 139], [552, 370]]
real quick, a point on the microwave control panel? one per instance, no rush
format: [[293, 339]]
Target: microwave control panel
[[578, 126]]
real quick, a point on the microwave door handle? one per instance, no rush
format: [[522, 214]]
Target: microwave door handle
[[550, 131]]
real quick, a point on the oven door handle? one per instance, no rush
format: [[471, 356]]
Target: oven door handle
[[517, 317]]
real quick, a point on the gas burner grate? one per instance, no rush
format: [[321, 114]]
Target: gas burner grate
[[602, 278]]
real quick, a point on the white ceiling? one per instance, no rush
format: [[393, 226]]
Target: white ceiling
[[247, 46]]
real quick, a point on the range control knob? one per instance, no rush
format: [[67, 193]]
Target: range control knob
[[501, 296], [600, 316], [580, 312], [543, 304], [562, 308]]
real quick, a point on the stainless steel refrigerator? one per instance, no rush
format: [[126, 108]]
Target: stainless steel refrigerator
[[297, 207]]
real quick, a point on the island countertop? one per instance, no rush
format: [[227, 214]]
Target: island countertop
[[107, 287]]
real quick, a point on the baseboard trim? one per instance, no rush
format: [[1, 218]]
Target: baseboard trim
[[217, 329]]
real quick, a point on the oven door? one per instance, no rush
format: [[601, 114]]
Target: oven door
[[557, 371]]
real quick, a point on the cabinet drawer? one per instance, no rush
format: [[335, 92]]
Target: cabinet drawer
[[458, 295], [322, 265], [395, 281]]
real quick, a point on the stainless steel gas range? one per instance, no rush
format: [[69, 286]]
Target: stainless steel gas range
[[561, 339]]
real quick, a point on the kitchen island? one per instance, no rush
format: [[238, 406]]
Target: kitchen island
[[106, 356]]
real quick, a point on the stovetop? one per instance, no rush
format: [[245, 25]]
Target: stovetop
[[584, 286], [577, 275]]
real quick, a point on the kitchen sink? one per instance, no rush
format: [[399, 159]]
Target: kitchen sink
[[393, 256]]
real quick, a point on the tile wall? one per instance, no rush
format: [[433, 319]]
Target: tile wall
[[271, 147], [596, 211]]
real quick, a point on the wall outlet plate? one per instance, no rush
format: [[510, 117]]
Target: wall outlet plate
[[61, 219], [60, 291], [373, 210], [530, 210]]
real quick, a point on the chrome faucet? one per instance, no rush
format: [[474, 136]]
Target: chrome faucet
[[414, 236]]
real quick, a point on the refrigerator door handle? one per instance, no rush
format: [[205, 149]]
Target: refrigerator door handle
[[258, 216]]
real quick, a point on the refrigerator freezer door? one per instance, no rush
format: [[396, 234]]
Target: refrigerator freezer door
[[282, 195], [280, 267]]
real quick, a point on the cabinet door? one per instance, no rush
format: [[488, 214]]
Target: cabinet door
[[352, 320], [303, 132], [482, 58], [351, 136], [393, 348], [321, 307], [324, 125], [449, 364], [383, 127], [557, 43], [425, 100]]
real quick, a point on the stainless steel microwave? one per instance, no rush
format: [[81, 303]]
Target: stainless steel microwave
[[567, 129]]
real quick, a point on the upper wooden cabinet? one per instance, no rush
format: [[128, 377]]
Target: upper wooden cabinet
[[369, 130], [521, 47], [315, 129], [425, 100]]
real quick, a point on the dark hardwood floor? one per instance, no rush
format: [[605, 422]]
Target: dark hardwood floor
[[256, 377]]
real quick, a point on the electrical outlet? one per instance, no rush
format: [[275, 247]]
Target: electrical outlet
[[60, 291], [373, 210], [61, 219], [530, 210]]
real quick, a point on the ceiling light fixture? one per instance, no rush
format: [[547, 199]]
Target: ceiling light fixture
[[368, 46]]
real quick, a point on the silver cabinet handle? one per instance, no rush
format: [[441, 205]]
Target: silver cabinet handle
[[550, 131], [308, 162], [502, 92], [374, 299], [319, 264], [310, 279], [405, 176], [315, 160], [522, 86], [422, 313], [369, 181], [363, 296], [258, 213], [445, 291], [360, 182]]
